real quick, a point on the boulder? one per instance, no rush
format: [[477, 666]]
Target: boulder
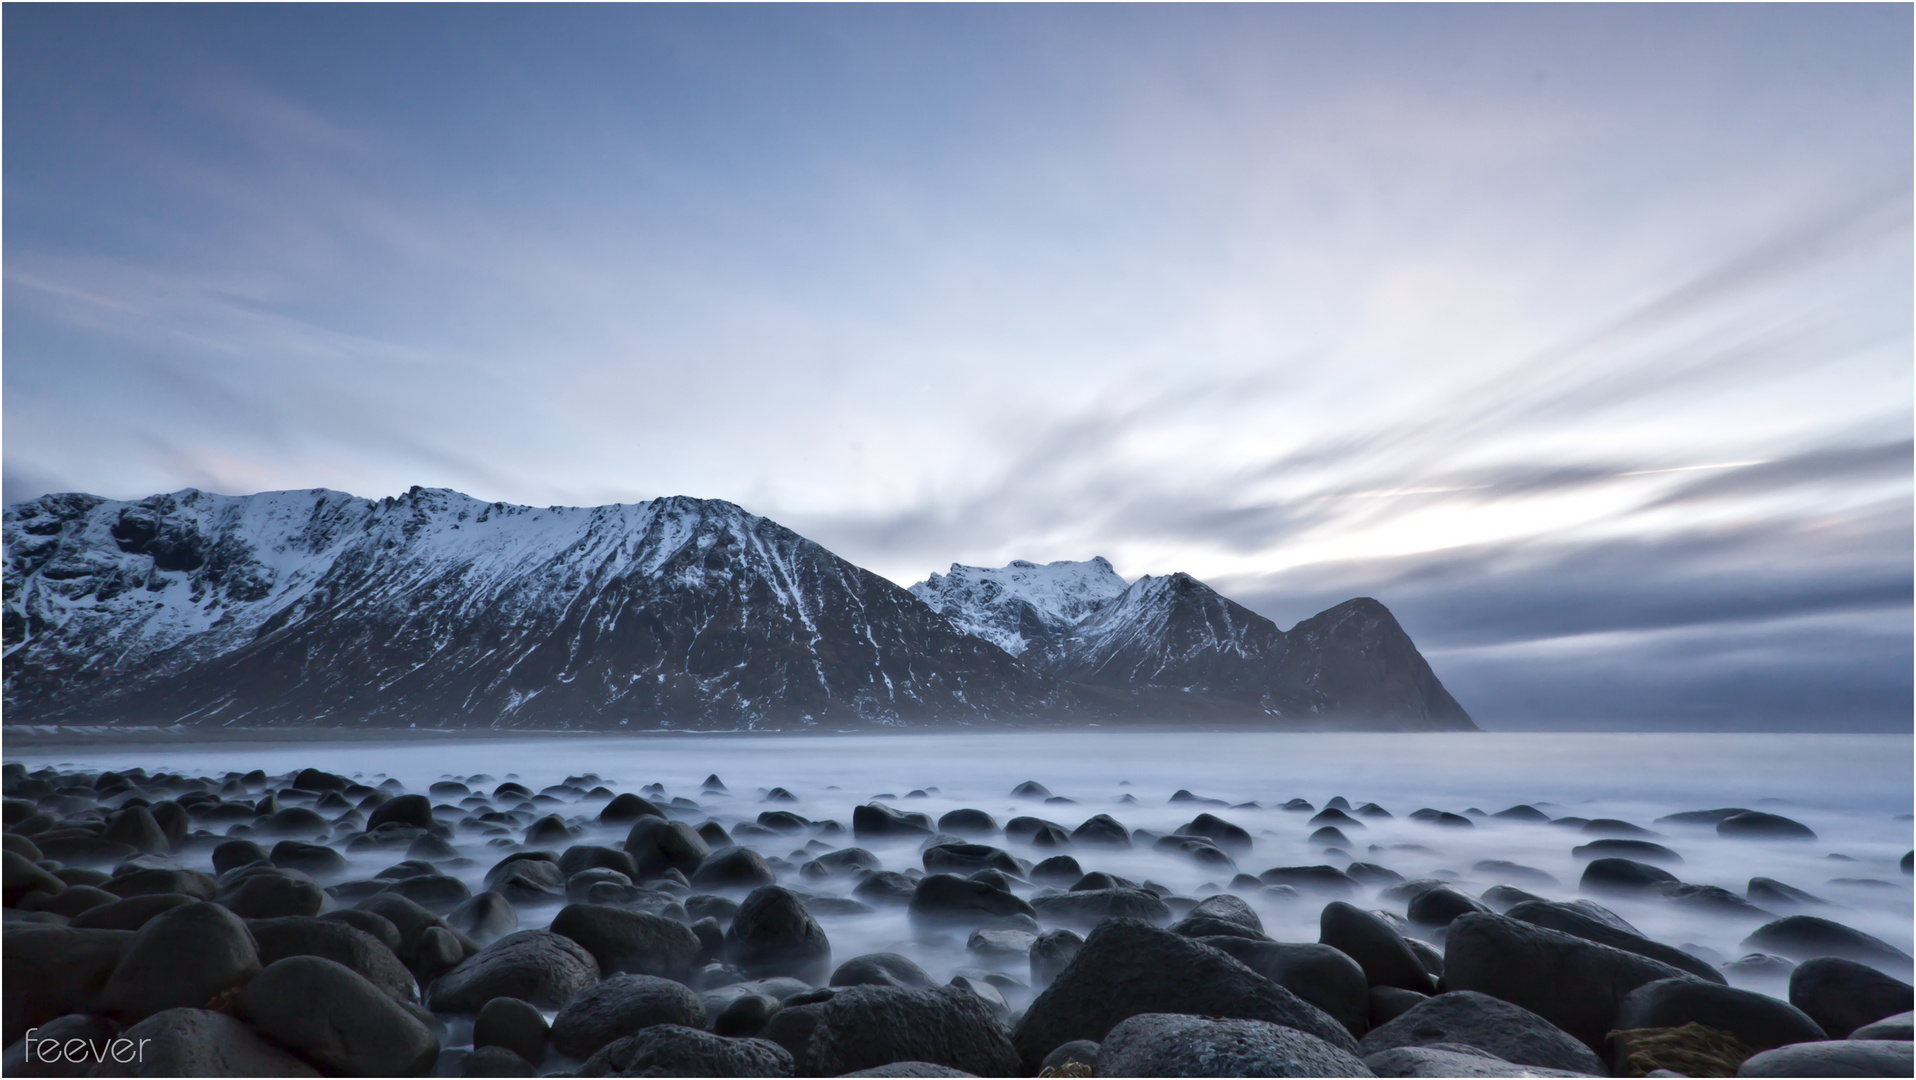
[[1843, 995], [23, 876], [1051, 952], [963, 858], [1128, 967], [150, 880], [620, 1005], [1759, 1021], [233, 854], [655, 845], [733, 868], [1058, 870], [1838, 1057], [1451, 1061], [523, 882], [882, 969], [1622, 877], [1387, 1003], [270, 896], [130, 913], [539, 967], [1579, 922], [1161, 1044], [331, 1016], [315, 860], [876, 820], [631, 942], [1575, 984], [1319, 974], [1224, 907], [180, 959], [1756, 823], [1324, 879], [50, 971], [625, 807], [968, 822], [1376, 947], [1806, 937], [1900, 1026], [302, 935], [136, 828], [581, 857], [773, 934], [1762, 890], [674, 1050], [746, 1015], [832, 1032], [945, 899], [1085, 909], [1496, 1027], [196, 1042], [1103, 830], [514, 1025], [886, 888], [413, 810], [485, 917], [1441, 906]]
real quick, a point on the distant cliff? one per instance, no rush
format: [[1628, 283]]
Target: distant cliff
[[432, 609]]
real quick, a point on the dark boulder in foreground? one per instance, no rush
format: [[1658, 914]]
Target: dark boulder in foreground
[[1805, 937], [1467, 1018], [1128, 967], [1843, 995], [51, 971], [1575, 984], [882, 969], [1759, 1021], [631, 942], [1319, 974], [1376, 947], [832, 1032], [514, 1025], [1581, 922], [620, 1005], [1085, 908], [673, 1050], [1451, 1060], [334, 1018], [197, 1042], [773, 934], [181, 959], [365, 954], [1162, 1044], [536, 966], [1839, 1057]]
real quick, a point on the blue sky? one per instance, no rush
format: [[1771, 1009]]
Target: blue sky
[[1580, 336]]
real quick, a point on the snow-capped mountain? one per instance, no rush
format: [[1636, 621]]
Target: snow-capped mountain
[[436, 609], [1172, 646], [1018, 605]]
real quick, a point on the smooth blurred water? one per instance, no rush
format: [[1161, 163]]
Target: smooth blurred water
[[1854, 790]]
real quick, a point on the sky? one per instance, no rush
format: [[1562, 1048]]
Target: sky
[[1581, 337]]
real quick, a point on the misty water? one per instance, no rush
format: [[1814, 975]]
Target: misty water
[[1853, 790]]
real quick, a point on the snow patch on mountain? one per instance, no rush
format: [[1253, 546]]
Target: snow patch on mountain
[[1013, 606]]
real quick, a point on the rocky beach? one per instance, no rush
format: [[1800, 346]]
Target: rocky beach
[[220, 921]]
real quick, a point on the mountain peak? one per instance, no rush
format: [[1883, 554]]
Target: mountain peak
[[1022, 603]]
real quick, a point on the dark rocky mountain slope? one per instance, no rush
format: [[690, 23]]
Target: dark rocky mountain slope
[[433, 609]]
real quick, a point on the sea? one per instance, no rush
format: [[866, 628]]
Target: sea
[[1853, 790]]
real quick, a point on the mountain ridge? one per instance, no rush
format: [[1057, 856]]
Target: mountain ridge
[[434, 609]]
